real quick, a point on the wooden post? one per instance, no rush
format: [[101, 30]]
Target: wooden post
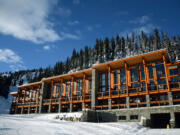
[[38, 95], [146, 76], [24, 95], [109, 72], [87, 86], [166, 72], [119, 81], [83, 88], [72, 88], [55, 87], [64, 89], [75, 91], [51, 90], [127, 82]]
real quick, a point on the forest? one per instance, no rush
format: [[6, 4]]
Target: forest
[[104, 50]]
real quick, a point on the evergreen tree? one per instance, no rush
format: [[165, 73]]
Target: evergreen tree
[[156, 40], [112, 48], [106, 52]]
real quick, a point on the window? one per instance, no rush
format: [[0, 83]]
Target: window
[[161, 81], [150, 71], [123, 75], [134, 117], [79, 87], [115, 78], [122, 117], [134, 74], [103, 82], [67, 88], [142, 73], [174, 71], [160, 70], [57, 90]]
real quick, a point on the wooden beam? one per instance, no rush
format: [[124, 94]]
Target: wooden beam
[[126, 71], [166, 72], [146, 76], [109, 72]]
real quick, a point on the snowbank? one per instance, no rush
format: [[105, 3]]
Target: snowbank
[[46, 124]]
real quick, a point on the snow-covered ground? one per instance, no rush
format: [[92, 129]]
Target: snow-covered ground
[[47, 124]]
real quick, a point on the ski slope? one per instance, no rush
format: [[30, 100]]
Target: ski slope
[[47, 124]]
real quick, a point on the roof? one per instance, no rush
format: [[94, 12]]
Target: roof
[[13, 93], [69, 76], [148, 57], [29, 85]]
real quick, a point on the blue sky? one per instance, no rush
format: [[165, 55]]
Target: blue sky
[[38, 33]]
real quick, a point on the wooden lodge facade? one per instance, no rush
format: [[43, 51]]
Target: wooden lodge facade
[[147, 80]]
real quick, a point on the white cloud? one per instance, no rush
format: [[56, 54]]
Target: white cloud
[[76, 1], [69, 36], [27, 20], [46, 47], [73, 23], [9, 57], [141, 20], [148, 28]]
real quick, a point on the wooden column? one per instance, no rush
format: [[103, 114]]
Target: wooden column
[[64, 89], [51, 90], [127, 82], [55, 87], [119, 81], [166, 72], [75, 87], [72, 88], [83, 88], [146, 76], [87, 86], [31, 93], [24, 95], [109, 72], [37, 99]]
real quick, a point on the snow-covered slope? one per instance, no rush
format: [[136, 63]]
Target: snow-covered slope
[[46, 124]]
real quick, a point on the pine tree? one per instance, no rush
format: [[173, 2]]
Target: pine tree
[[106, 49], [156, 40], [81, 57], [86, 57], [112, 48]]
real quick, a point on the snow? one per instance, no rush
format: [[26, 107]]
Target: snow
[[47, 124]]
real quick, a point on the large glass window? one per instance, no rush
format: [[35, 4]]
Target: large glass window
[[160, 70], [134, 74], [123, 75], [142, 73], [103, 82], [174, 71], [150, 71], [115, 78]]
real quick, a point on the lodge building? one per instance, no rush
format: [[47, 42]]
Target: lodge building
[[146, 85]]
